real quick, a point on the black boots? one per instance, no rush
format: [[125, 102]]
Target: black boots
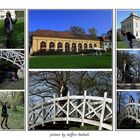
[[7, 127], [2, 126]]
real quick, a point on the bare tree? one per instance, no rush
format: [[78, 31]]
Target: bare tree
[[46, 84], [92, 31]]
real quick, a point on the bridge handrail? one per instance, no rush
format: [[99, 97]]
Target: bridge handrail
[[127, 105], [91, 110], [130, 110], [87, 97], [13, 56]]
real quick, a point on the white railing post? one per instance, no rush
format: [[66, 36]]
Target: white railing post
[[67, 119], [54, 107], [43, 111], [103, 111], [84, 105]]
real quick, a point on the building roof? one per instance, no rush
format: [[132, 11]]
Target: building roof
[[60, 34], [104, 39], [131, 15]]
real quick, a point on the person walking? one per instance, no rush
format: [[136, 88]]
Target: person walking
[[5, 115], [8, 28]]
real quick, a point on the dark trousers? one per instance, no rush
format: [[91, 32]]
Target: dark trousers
[[8, 39], [5, 119]]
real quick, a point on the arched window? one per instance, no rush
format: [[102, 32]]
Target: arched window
[[73, 47], [43, 45], [95, 45], [59, 45], [90, 46], [51, 45], [79, 47], [85, 46], [67, 47]]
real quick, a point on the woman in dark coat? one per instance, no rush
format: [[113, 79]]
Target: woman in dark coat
[[4, 114], [131, 38], [8, 28]]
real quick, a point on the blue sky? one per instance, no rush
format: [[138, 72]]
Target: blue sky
[[61, 20], [133, 93], [123, 14]]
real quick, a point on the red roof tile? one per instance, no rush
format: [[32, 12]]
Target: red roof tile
[[59, 34]]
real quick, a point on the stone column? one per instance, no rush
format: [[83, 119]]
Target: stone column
[[77, 46], [55, 43], [63, 46], [47, 45], [70, 46]]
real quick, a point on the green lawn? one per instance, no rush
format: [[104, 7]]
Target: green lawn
[[8, 84], [71, 61], [16, 119], [121, 44], [17, 39]]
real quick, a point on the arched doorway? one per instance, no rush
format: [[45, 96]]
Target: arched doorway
[[79, 47], [67, 47], [85, 46], [90, 46], [95, 45], [60, 47], [52, 46], [73, 49], [43, 45]]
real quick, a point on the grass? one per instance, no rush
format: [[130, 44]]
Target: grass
[[17, 38], [71, 61], [16, 119], [8, 84], [122, 44]]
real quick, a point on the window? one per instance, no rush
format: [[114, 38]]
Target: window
[[85, 46], [51, 45], [43, 45], [137, 34], [79, 47], [67, 47], [59, 45], [90, 46], [95, 45], [73, 47]]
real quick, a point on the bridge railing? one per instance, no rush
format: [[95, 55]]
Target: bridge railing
[[14, 57], [131, 110], [84, 109]]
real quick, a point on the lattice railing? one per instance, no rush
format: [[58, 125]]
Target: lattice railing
[[131, 110], [15, 57], [84, 109]]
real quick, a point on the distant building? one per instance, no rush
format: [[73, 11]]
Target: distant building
[[63, 41], [3, 14], [132, 24], [105, 43]]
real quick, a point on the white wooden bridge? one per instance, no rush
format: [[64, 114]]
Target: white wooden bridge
[[132, 111], [15, 57], [84, 109]]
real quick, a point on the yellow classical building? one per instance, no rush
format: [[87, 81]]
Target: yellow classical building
[[63, 41]]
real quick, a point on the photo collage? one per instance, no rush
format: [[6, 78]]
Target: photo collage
[[56, 69]]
